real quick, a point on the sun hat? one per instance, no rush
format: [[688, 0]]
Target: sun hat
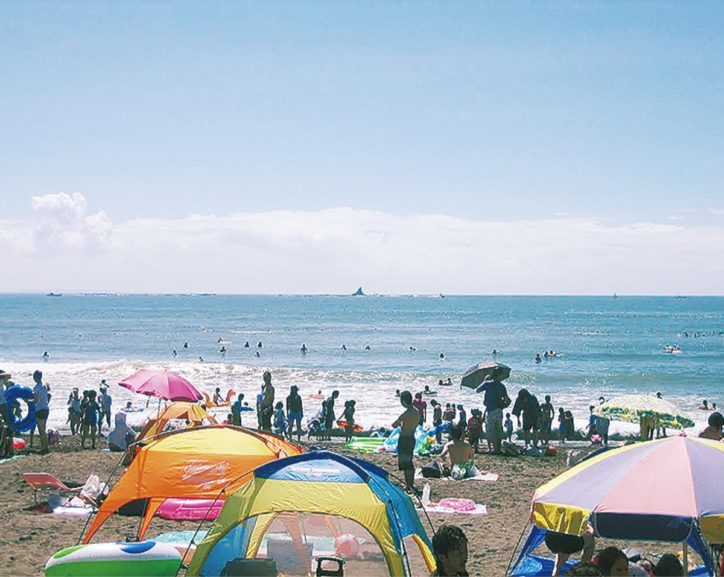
[[4, 375]]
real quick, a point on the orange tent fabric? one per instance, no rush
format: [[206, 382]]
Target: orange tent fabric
[[195, 463], [192, 412]]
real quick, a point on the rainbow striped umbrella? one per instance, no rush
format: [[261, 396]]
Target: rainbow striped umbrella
[[659, 490], [632, 407]]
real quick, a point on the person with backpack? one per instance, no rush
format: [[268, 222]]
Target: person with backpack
[[495, 399]]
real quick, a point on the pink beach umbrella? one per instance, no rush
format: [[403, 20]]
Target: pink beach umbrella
[[162, 384]]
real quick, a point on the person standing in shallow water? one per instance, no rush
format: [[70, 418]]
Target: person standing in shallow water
[[407, 422]]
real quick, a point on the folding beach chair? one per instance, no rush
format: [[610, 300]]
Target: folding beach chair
[[49, 482]]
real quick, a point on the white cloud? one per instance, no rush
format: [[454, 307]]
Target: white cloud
[[62, 226], [336, 250]]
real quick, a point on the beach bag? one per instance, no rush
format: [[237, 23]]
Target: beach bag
[[432, 470]]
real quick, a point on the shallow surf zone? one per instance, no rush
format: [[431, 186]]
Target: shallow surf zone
[[375, 391]]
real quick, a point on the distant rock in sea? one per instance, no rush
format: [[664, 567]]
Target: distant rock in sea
[[358, 293]]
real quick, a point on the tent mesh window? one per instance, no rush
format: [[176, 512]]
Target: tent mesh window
[[294, 540]]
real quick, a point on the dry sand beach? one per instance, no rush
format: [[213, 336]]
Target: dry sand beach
[[30, 538]]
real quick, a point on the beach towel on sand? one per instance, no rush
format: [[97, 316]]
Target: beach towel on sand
[[489, 477]]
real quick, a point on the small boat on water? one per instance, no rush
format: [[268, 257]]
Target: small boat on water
[[672, 349], [52, 294]]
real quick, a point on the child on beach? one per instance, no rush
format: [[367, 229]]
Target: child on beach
[[450, 546], [508, 427], [475, 429], [280, 419], [407, 422], [348, 417]]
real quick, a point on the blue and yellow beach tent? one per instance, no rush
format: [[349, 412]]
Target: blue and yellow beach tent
[[309, 504]]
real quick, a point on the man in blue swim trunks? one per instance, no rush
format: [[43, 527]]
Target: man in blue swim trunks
[[407, 422]]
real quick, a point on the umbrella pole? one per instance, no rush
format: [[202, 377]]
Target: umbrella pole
[[685, 557]]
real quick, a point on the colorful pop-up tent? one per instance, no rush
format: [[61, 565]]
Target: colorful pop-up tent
[[196, 463], [194, 413], [283, 512], [664, 490]]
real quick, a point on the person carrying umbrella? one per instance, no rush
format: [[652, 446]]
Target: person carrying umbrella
[[495, 400]]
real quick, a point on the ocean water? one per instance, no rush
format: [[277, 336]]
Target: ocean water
[[605, 345]]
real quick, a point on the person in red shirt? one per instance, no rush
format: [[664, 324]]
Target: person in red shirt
[[421, 406], [475, 428]]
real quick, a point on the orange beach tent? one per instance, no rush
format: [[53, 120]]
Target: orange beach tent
[[195, 463], [195, 414]]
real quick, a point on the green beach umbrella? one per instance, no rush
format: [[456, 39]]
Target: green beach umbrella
[[631, 408]]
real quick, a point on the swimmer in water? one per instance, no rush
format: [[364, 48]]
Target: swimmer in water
[[344, 347], [304, 349]]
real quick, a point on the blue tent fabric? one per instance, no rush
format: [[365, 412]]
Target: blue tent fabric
[[529, 565]]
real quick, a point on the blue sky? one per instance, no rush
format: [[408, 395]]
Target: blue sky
[[479, 114]]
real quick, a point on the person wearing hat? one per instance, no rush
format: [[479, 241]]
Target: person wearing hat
[[295, 411], [105, 401]]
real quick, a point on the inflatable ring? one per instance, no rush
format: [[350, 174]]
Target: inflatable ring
[[26, 394]]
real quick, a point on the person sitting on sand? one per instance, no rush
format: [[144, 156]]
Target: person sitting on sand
[[563, 546], [460, 455], [612, 562], [122, 435], [450, 547], [408, 422], [714, 430]]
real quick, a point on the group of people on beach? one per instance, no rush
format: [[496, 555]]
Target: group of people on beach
[[12, 412]]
